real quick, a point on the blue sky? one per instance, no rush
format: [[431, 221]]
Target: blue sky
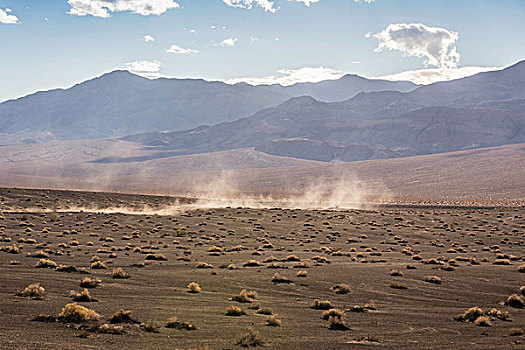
[[44, 47]]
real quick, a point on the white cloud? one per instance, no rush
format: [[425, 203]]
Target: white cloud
[[144, 66], [367, 1], [292, 76], [227, 42], [148, 38], [180, 50], [429, 76], [438, 45], [308, 2], [103, 8], [7, 18], [267, 5]]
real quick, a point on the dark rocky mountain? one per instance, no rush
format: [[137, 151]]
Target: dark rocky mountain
[[343, 88], [487, 109]]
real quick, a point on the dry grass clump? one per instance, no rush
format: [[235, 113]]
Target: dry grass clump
[[81, 297], [521, 269], [38, 254], [250, 339], [433, 279], [516, 332], [522, 290], [11, 249], [280, 279], [156, 256], [245, 296], [252, 263], [74, 313], [321, 305], [33, 291], [396, 272], [273, 321], [120, 273], [203, 265], [501, 262], [515, 301], [470, 315], [150, 327], [69, 269], [46, 263], [98, 265], [174, 323], [88, 282], [342, 288], [483, 321], [502, 315], [333, 313], [302, 273], [108, 329], [265, 311], [123, 316], [292, 258], [194, 287], [338, 324], [233, 310]]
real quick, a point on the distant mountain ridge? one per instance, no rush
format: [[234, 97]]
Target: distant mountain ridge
[[121, 103], [487, 109]]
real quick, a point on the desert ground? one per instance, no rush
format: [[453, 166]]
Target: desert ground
[[385, 276]]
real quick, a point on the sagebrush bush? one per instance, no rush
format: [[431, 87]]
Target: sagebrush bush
[[120, 273], [194, 287], [333, 313], [273, 321], [250, 339], [483, 321], [233, 310], [321, 305], [245, 296], [470, 315], [33, 291], [46, 263], [341, 288], [123, 316], [98, 265], [88, 282], [515, 301], [84, 296], [74, 313]]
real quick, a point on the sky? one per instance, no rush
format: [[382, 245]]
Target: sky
[[48, 44]]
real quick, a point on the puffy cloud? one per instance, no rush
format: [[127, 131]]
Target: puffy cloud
[[103, 8], [308, 2], [7, 18], [227, 42], [267, 5], [438, 45], [429, 76], [148, 38], [180, 50], [144, 66], [292, 76]]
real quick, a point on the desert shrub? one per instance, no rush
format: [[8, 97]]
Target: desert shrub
[[302, 273], [156, 256], [98, 265], [88, 282], [108, 329], [273, 321], [39, 254], [233, 310], [203, 265], [81, 297], [265, 311], [250, 339], [292, 258], [215, 249], [338, 324], [44, 318], [46, 263], [501, 262], [396, 273], [433, 279], [522, 290], [516, 332], [270, 259], [502, 315], [123, 316], [470, 315], [194, 287], [515, 301], [33, 291], [74, 313], [280, 279], [174, 323], [333, 313], [120, 273], [150, 327], [341, 288], [321, 305], [483, 321], [521, 269], [245, 296], [252, 263]]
